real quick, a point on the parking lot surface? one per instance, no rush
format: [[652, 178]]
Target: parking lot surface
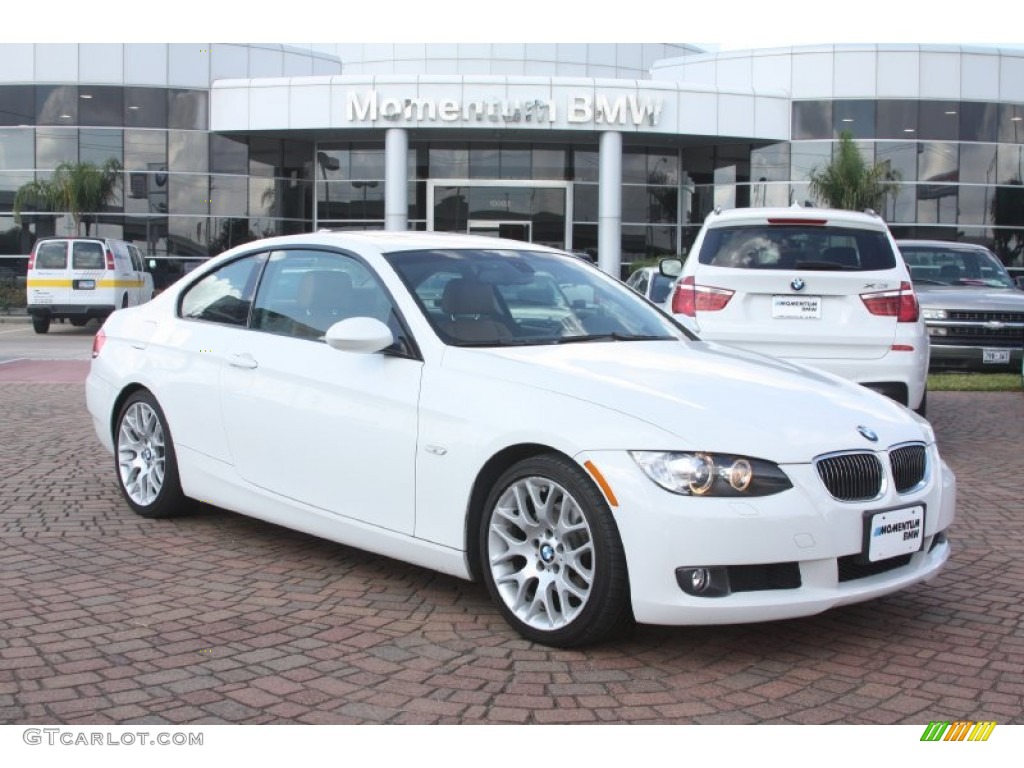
[[107, 618]]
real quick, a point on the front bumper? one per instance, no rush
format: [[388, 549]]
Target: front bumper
[[950, 357], [803, 530]]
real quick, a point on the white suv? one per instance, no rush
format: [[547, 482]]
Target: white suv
[[821, 287]]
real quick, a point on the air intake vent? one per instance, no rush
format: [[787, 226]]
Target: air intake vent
[[851, 476], [909, 466]]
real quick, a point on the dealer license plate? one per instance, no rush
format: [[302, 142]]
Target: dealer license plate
[[995, 355], [796, 307], [894, 533]]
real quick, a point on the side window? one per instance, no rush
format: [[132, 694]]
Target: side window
[[224, 296], [52, 255], [136, 259], [303, 293]]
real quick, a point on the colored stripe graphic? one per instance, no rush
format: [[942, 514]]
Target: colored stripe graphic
[[959, 730]]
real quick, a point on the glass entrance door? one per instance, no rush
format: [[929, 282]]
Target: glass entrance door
[[531, 211], [514, 230]]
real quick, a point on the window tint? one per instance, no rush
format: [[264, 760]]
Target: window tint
[[224, 296], [304, 292], [52, 255], [87, 255], [934, 265], [797, 248]]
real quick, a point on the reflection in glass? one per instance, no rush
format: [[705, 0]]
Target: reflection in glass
[[978, 164], [770, 163], [812, 120], [188, 151], [17, 148], [856, 117], [896, 119], [634, 165], [975, 205], [229, 196], [368, 163], [264, 157], [808, 157], [1011, 164], [55, 146], [585, 202], [100, 105], [484, 162], [979, 121], [939, 120], [549, 163], [187, 110], [228, 154], [56, 105], [17, 105], [938, 162], [350, 200], [145, 150], [586, 164], [1011, 123], [449, 163], [96, 145], [187, 194], [145, 107]]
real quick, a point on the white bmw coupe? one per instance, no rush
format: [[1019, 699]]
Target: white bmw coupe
[[506, 412]]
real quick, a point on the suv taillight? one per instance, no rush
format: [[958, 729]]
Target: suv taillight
[[901, 304], [690, 298], [97, 342]]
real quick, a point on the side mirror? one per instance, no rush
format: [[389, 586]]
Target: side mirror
[[671, 267], [359, 334]]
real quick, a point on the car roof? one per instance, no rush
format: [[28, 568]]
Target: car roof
[[388, 242], [948, 244], [795, 213]]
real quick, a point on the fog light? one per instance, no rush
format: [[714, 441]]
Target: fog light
[[704, 581]]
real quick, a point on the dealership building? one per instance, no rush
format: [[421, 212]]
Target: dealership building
[[615, 150]]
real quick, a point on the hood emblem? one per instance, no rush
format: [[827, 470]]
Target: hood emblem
[[868, 434], [797, 284]]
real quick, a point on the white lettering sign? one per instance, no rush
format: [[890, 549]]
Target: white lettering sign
[[619, 110]]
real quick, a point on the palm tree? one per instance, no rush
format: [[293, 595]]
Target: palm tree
[[850, 183], [81, 189]]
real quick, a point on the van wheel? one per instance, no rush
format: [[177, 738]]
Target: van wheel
[[147, 467], [79, 322], [40, 323], [124, 301]]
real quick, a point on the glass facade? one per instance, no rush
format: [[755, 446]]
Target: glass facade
[[189, 192]]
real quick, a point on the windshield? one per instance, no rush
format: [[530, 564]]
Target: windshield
[[504, 297], [935, 265]]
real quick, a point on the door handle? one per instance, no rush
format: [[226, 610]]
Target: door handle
[[242, 360]]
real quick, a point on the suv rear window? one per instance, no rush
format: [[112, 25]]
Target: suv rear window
[[53, 255], [87, 255], [797, 248]]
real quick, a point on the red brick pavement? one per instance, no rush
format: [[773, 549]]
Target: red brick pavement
[[106, 618]]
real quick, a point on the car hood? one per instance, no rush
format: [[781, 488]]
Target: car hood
[[971, 298], [710, 397]]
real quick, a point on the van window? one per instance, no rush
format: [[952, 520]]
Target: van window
[[87, 255], [52, 255]]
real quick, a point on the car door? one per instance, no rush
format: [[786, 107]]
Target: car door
[[331, 429]]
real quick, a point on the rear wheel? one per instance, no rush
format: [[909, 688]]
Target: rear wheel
[[40, 323], [551, 555], [147, 468]]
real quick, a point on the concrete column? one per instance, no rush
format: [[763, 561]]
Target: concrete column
[[609, 204], [396, 180]]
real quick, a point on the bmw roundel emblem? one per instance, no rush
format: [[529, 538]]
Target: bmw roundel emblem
[[868, 434], [797, 284]]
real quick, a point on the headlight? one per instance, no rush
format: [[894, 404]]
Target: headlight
[[711, 474], [934, 314]]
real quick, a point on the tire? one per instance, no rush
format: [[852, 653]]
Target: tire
[[124, 301], [40, 323], [922, 409], [144, 459], [79, 322], [551, 555]]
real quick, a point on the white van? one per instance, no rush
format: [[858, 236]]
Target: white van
[[80, 278]]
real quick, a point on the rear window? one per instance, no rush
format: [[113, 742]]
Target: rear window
[[931, 265], [87, 255], [52, 255], [796, 248]]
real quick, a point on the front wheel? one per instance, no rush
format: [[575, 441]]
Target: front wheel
[[551, 555], [147, 468]]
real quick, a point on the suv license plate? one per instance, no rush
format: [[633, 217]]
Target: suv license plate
[[995, 355], [796, 307], [894, 533]]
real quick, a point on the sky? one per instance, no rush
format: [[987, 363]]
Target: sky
[[738, 24]]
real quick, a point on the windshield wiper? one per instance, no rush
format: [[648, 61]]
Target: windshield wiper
[[616, 336]]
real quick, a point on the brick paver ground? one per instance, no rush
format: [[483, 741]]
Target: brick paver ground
[[106, 618]]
